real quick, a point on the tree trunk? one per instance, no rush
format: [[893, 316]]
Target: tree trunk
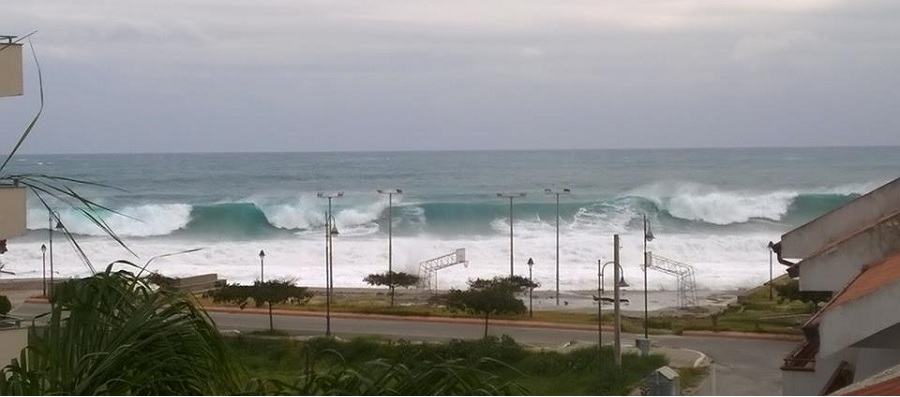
[[271, 323], [486, 324]]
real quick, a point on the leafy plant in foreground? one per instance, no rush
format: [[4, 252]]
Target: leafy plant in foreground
[[114, 334]]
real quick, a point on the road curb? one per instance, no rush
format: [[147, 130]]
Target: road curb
[[745, 335], [453, 320]]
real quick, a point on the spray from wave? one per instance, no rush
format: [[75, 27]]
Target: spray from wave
[[677, 206]]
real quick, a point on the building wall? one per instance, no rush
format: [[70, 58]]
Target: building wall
[[10, 70], [838, 224], [12, 212], [853, 322], [833, 269], [873, 361]]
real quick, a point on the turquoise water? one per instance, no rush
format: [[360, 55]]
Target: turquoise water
[[713, 207]]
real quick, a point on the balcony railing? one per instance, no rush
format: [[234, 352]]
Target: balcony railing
[[802, 358]]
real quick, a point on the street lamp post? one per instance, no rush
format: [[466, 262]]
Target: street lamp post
[[530, 289], [390, 194], [648, 236], [771, 249], [44, 270], [330, 231], [511, 196], [557, 193], [262, 266], [618, 276]]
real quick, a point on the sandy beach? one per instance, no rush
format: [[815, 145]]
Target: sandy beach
[[659, 302]]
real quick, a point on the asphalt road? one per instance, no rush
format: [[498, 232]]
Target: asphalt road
[[739, 366]]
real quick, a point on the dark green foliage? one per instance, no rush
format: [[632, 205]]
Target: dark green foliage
[[113, 334], [383, 378], [269, 293], [541, 372], [5, 304], [392, 279], [791, 291], [489, 297]]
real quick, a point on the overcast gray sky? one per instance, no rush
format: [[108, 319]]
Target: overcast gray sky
[[322, 75]]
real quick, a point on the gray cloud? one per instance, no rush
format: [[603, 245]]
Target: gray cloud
[[223, 75]]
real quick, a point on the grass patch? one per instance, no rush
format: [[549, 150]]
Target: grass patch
[[691, 377], [271, 332], [754, 312], [539, 372]]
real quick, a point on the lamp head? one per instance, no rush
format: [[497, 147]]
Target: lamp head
[[530, 262], [622, 283], [334, 229], [262, 254], [43, 248]]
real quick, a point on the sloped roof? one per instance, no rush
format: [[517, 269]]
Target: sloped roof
[[886, 383], [870, 280]]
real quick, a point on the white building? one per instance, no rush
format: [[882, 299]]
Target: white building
[[853, 251], [12, 198]]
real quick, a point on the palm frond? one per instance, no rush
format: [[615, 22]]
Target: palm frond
[[113, 333], [37, 116]]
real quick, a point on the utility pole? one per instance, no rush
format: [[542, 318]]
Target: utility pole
[[390, 194], [617, 323], [511, 197], [557, 193]]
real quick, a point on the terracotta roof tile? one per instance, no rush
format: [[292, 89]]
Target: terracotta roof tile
[[870, 280], [889, 387]]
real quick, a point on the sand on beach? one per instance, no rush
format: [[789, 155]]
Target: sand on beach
[[632, 300]]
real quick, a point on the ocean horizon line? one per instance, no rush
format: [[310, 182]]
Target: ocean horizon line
[[521, 150]]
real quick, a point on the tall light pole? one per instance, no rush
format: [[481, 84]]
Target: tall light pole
[[330, 231], [557, 193], [262, 266], [511, 196], [771, 249], [390, 194], [648, 236], [618, 276], [44, 269], [530, 289]]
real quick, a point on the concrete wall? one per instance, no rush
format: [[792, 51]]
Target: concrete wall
[[831, 270], [838, 224], [873, 361], [12, 341], [852, 322], [12, 212], [888, 338], [11, 70]]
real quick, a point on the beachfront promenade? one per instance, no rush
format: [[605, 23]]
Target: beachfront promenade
[[741, 366]]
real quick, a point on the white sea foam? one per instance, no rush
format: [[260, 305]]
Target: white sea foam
[[699, 202], [722, 261], [139, 221]]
